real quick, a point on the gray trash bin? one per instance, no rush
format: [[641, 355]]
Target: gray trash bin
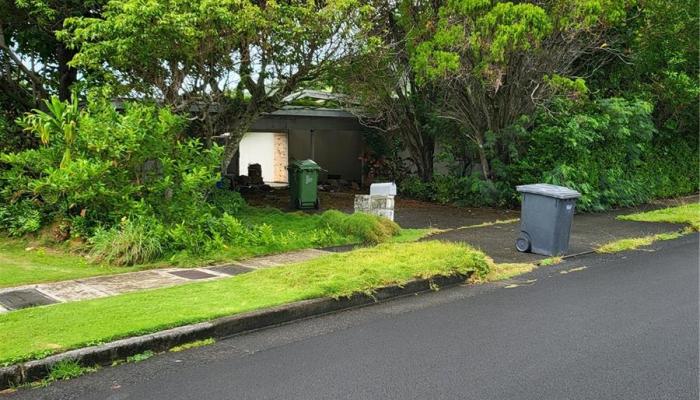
[[545, 219]]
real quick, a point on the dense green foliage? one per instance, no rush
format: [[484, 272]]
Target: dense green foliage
[[494, 61], [659, 63], [97, 166], [517, 111], [607, 149], [610, 151]]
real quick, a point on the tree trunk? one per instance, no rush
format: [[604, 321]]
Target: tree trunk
[[425, 164], [238, 130], [67, 75], [485, 168], [229, 153]]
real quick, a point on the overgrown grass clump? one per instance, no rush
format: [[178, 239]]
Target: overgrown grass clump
[[635, 243], [192, 345], [38, 332], [251, 232], [67, 369], [132, 243], [688, 214], [370, 229]]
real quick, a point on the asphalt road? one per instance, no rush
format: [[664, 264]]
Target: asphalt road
[[615, 327]]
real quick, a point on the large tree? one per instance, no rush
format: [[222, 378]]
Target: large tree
[[228, 60], [33, 62], [384, 83], [496, 61]]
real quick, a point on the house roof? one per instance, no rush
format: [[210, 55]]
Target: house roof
[[288, 110], [301, 111]]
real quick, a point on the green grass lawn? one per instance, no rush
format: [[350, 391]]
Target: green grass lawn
[[37, 332], [19, 266], [413, 235]]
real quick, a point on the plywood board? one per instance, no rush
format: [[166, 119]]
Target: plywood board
[[280, 157]]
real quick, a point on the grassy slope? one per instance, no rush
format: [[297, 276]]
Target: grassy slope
[[299, 229], [39, 331], [19, 266]]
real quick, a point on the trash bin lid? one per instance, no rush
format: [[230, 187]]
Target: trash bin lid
[[545, 189], [305, 165], [384, 188]]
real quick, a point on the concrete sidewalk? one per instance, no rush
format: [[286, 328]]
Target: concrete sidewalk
[[19, 297]]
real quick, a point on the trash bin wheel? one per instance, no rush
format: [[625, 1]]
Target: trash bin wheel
[[317, 204], [300, 205], [522, 243]]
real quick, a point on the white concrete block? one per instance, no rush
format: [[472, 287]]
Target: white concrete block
[[389, 214]]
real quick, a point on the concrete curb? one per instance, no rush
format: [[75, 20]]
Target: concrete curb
[[105, 354]]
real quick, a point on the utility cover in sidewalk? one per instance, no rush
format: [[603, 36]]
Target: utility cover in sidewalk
[[231, 269], [24, 298], [192, 274]]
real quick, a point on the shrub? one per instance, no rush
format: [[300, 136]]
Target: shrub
[[610, 151], [134, 241], [607, 149], [325, 236], [370, 229], [97, 165], [20, 218], [469, 190], [416, 188], [226, 201]]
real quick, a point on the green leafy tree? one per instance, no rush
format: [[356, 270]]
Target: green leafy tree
[[227, 60], [496, 61], [33, 62], [659, 63], [385, 91]]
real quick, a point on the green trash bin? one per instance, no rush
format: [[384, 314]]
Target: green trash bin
[[303, 184]]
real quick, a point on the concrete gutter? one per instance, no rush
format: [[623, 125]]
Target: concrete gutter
[[105, 354]]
